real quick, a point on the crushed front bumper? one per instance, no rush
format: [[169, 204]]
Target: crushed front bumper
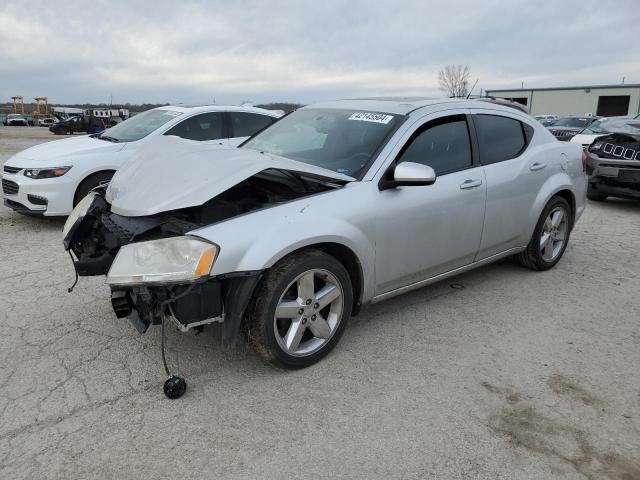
[[222, 299]]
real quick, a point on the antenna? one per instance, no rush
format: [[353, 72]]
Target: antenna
[[474, 86]]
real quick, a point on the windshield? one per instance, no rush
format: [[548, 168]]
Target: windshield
[[340, 140], [141, 125], [595, 128], [571, 122]]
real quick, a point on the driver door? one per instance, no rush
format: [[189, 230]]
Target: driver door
[[424, 231]]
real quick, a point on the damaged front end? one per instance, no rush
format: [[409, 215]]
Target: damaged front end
[[96, 236], [613, 165], [221, 299]]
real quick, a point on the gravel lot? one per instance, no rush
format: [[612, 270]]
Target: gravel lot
[[500, 373]]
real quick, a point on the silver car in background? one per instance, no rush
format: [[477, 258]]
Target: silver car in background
[[338, 205]]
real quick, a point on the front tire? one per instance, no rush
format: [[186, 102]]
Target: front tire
[[550, 237], [300, 310], [89, 183]]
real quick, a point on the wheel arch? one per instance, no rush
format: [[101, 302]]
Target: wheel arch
[[571, 200], [88, 176], [348, 258], [557, 185]]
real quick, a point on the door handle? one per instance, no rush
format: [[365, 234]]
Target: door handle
[[537, 166], [470, 184]]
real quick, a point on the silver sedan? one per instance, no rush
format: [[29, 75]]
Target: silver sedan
[[336, 206]]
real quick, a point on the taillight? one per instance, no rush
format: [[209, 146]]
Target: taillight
[[584, 161]]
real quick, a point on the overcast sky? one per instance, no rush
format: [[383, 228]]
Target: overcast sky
[[306, 50]]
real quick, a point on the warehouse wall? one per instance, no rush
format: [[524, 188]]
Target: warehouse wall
[[569, 102]]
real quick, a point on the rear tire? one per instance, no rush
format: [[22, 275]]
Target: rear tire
[[89, 183], [549, 240], [312, 294]]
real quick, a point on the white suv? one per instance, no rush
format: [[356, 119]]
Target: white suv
[[51, 178]]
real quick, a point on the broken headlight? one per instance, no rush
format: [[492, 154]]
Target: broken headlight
[[176, 259], [78, 212]]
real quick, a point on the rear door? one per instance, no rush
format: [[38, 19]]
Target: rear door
[[514, 174], [424, 231], [204, 127], [243, 125]]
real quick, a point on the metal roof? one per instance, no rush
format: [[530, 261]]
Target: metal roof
[[406, 105], [396, 105], [546, 89], [216, 108]]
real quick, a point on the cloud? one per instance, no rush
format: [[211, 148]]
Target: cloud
[[194, 51]]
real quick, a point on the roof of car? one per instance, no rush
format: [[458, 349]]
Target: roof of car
[[218, 108], [402, 105]]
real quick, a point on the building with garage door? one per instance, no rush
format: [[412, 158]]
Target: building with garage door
[[604, 100]]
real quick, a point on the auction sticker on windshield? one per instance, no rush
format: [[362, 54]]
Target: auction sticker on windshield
[[371, 117]]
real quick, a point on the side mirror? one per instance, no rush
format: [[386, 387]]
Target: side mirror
[[411, 174]]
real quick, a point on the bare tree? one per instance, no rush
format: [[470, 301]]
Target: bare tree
[[454, 80]]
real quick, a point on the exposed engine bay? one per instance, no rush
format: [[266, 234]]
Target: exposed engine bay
[[99, 236]]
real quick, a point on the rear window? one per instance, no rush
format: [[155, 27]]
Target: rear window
[[500, 138]]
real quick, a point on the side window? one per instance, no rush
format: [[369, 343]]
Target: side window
[[245, 124], [500, 138], [206, 126], [443, 145]]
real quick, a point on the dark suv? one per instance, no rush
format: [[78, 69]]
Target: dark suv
[[565, 128]]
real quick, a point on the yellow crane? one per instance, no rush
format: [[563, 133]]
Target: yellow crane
[[18, 101], [42, 106]]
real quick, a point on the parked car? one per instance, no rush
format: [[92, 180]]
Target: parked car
[[51, 178], [15, 119], [599, 128], [78, 124], [613, 164], [44, 121], [546, 120], [566, 127], [547, 123], [337, 205], [546, 117]]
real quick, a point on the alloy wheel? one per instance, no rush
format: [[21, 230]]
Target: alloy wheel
[[308, 312], [554, 234]]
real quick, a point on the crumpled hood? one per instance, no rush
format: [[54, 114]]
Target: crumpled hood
[[65, 149], [586, 138], [169, 173]]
